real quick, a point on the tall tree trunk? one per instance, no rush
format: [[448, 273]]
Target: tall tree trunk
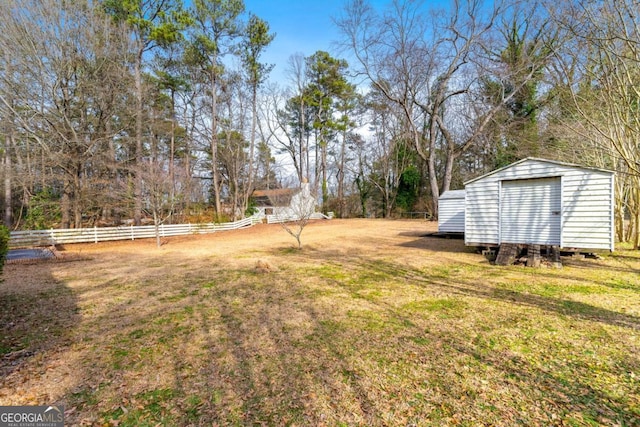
[[317, 166], [307, 160], [431, 161], [325, 189], [137, 190], [214, 142], [448, 169], [65, 204], [8, 167], [8, 212], [387, 206], [156, 228], [172, 175], [341, 166], [105, 211], [236, 194], [77, 199], [635, 212], [252, 145], [187, 161], [304, 147]]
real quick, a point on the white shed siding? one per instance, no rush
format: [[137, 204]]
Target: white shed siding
[[482, 212], [587, 210], [451, 212], [586, 203]]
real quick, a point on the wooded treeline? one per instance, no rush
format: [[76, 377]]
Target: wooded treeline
[[146, 110]]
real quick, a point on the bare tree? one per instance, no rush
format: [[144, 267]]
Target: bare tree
[[217, 26], [387, 148], [427, 64], [599, 66], [71, 57], [158, 188], [256, 40], [279, 111], [8, 134], [294, 218], [153, 23], [299, 111]]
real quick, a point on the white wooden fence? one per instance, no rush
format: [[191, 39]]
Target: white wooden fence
[[21, 239], [102, 234], [277, 219]]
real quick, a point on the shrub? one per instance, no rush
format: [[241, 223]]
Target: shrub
[[43, 210], [251, 208], [4, 245]]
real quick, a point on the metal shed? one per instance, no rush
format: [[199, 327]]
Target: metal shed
[[537, 201], [451, 212]]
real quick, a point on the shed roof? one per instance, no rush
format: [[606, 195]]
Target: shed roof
[[453, 194], [534, 159]]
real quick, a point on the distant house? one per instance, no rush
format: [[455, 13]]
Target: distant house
[[537, 201], [285, 202], [268, 202], [451, 212]]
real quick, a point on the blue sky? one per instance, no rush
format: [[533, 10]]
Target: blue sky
[[301, 26]]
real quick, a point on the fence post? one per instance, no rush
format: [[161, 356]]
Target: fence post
[[53, 239], [132, 238], [95, 234]]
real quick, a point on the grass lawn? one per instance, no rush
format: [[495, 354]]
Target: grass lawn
[[370, 324]]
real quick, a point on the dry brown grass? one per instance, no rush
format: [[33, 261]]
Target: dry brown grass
[[370, 324]]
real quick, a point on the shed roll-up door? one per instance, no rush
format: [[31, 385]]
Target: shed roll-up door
[[530, 211]]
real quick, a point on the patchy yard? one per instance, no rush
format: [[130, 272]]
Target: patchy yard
[[370, 324]]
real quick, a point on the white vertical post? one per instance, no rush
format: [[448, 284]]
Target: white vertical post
[[561, 212], [612, 217], [95, 234]]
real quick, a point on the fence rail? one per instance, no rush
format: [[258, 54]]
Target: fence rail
[[103, 234], [277, 219], [416, 215]]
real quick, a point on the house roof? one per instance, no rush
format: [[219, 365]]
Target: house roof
[[534, 159], [452, 194], [274, 197]]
